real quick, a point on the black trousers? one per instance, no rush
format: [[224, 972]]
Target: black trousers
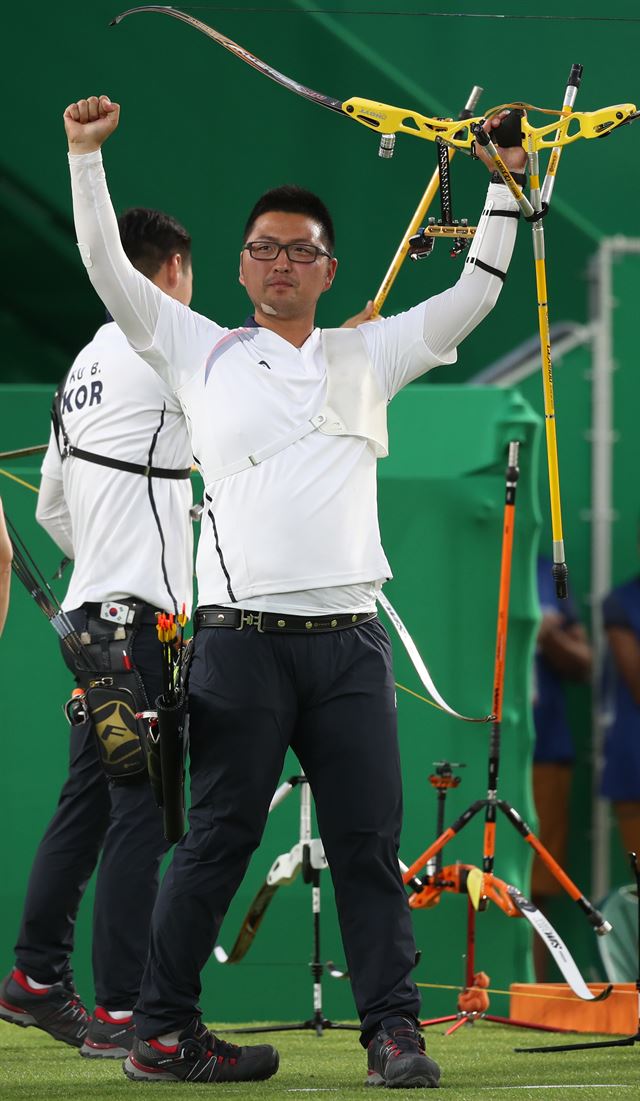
[[117, 824], [331, 697]]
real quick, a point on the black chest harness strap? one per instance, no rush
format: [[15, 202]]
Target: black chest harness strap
[[68, 450]]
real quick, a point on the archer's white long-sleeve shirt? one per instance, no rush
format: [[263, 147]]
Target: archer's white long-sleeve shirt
[[305, 519], [128, 535]]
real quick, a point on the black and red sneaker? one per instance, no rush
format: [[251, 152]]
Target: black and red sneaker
[[199, 1056], [397, 1059], [108, 1037], [56, 1009]]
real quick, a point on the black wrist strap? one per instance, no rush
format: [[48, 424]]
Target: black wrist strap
[[519, 177]]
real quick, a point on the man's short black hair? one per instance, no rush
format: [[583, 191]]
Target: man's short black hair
[[150, 238], [294, 200]]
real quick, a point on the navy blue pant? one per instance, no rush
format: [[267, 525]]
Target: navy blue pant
[[96, 819], [331, 697]]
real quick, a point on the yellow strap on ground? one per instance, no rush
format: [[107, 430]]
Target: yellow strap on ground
[[520, 993]]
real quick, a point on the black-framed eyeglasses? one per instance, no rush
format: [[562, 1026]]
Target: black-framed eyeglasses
[[297, 252]]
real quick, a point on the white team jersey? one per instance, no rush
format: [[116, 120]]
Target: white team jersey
[[131, 535], [306, 518]]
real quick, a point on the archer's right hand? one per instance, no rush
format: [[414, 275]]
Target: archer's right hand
[[89, 122], [359, 318]]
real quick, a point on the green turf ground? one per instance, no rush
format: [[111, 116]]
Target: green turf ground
[[477, 1062]]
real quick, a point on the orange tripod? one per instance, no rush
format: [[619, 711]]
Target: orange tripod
[[484, 886], [465, 879]]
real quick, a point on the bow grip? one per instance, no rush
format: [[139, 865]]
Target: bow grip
[[509, 132]]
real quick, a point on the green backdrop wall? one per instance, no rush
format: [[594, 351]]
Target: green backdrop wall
[[441, 503]]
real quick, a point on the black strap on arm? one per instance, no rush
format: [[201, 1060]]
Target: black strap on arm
[[519, 177], [487, 267]]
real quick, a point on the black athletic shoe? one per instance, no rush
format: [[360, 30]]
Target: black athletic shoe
[[199, 1056], [57, 1009], [397, 1057], [108, 1037]]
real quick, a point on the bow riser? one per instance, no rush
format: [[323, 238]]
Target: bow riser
[[385, 119]]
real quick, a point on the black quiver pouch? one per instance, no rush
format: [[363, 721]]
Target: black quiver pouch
[[166, 744], [154, 764], [171, 757], [114, 696], [113, 700]]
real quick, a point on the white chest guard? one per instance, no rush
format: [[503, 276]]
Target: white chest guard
[[354, 406]]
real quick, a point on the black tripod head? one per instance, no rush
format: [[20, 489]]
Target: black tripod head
[[443, 778]]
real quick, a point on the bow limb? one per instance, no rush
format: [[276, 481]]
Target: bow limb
[[420, 666], [557, 947], [240, 52]]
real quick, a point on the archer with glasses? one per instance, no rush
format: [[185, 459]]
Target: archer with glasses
[[297, 253], [287, 422]]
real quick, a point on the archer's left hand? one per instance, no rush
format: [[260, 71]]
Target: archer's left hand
[[514, 156]]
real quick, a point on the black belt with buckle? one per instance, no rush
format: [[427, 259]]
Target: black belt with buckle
[[213, 615]]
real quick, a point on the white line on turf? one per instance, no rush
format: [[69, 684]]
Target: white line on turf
[[551, 1086]]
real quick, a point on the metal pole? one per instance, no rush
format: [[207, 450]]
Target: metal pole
[[603, 516]]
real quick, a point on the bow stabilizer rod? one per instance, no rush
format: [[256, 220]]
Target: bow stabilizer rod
[[571, 91]]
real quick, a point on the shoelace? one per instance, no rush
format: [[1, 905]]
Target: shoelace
[[74, 998], [404, 1039], [221, 1047]]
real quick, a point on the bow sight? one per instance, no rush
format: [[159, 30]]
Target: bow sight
[[459, 233]]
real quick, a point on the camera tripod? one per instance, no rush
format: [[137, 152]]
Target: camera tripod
[[307, 856], [468, 879]]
